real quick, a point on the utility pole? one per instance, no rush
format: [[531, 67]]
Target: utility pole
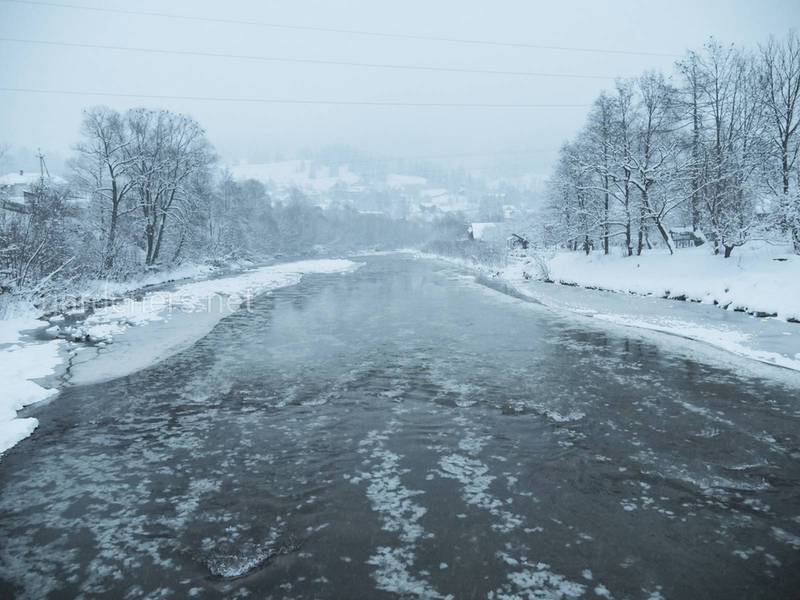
[[42, 167]]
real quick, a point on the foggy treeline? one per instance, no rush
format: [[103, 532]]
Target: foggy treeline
[[145, 192], [709, 153]]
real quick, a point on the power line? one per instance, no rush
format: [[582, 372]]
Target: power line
[[291, 100], [482, 154], [428, 157], [360, 32], [303, 60]]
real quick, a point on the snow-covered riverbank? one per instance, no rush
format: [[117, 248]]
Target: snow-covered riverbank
[[771, 340], [758, 279], [21, 362], [124, 337]]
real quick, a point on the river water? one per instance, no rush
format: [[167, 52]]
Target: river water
[[403, 431]]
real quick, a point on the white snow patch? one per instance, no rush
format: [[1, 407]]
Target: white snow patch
[[11, 329], [751, 280], [19, 365]]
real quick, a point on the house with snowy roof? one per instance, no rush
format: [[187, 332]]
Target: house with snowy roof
[[16, 187]]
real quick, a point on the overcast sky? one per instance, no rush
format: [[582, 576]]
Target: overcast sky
[[258, 132]]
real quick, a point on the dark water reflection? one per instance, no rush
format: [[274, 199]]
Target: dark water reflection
[[404, 431]]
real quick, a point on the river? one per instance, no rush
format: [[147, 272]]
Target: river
[[403, 431]]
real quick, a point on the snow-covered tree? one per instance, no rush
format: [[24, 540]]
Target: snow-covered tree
[[166, 150], [103, 167], [733, 142], [780, 82], [655, 154]]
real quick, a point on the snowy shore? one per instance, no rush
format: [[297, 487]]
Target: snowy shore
[[645, 293], [124, 337], [760, 280]]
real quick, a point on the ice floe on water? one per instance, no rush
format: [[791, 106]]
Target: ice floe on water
[[473, 475], [400, 514], [392, 499], [565, 417], [602, 592], [472, 444], [462, 394], [787, 538], [392, 574], [247, 557], [535, 581], [475, 480], [526, 579]]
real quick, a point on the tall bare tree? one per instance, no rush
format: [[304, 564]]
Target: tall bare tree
[[657, 153], [693, 112], [166, 149], [103, 167], [600, 131], [735, 112]]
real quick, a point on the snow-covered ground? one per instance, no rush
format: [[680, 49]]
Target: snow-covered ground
[[126, 336], [21, 362], [757, 279], [107, 289]]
